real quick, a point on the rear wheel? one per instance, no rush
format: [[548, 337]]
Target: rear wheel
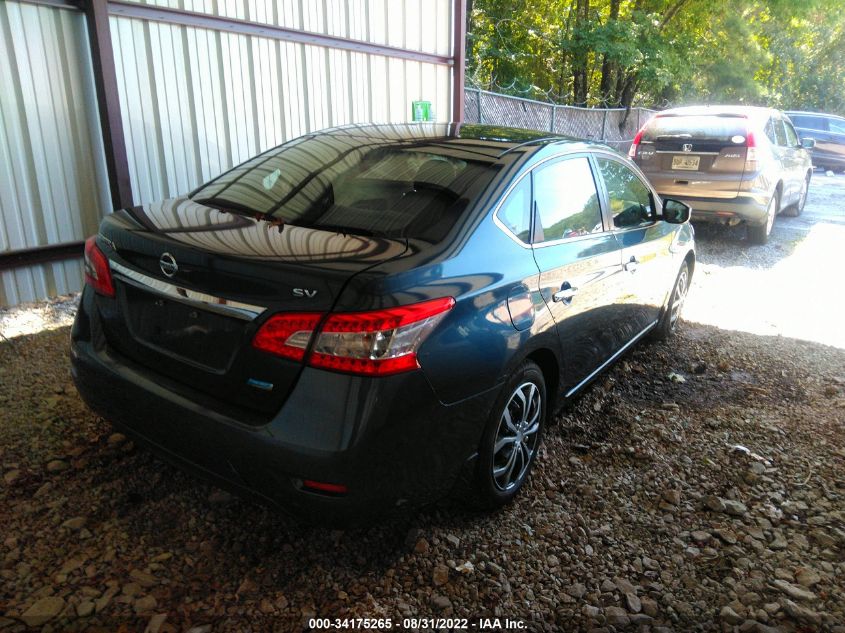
[[759, 233], [796, 209], [511, 438], [672, 314]]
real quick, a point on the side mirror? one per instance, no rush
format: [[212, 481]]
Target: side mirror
[[808, 143], [675, 211]]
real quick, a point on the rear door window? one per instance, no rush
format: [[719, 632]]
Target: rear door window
[[837, 127], [630, 199], [791, 134], [809, 122], [780, 134], [515, 212], [567, 200]]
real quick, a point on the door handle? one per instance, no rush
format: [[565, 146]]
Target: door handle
[[632, 264], [566, 293]]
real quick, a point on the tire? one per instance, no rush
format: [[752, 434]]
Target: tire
[[668, 322], [489, 491], [759, 233], [793, 211]]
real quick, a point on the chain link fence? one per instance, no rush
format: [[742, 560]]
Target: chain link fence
[[614, 126]]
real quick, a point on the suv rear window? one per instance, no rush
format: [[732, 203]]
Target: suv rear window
[[414, 188], [708, 127]]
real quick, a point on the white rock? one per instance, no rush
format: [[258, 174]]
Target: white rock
[[793, 591]]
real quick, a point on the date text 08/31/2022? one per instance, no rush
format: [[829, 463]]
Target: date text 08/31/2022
[[389, 624]]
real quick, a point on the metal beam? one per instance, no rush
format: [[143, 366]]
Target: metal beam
[[56, 4], [459, 45], [40, 255], [258, 29], [108, 102]]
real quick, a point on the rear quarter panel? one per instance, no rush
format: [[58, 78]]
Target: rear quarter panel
[[476, 346]]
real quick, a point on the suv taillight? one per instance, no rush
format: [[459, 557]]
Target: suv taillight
[[97, 271], [632, 151], [372, 343], [750, 151]]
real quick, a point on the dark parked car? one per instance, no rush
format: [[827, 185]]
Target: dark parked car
[[828, 132], [731, 164], [376, 316]]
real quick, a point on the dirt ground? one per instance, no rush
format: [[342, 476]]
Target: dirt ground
[[699, 486]]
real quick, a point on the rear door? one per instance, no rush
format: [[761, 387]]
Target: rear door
[[694, 155], [795, 162], [645, 242], [579, 262]]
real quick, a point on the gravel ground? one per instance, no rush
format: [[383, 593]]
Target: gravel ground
[[697, 486]]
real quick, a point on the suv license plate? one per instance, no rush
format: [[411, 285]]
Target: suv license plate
[[685, 162]]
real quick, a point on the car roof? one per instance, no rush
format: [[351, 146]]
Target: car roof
[[490, 141]]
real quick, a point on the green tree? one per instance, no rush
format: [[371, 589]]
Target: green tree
[[657, 52]]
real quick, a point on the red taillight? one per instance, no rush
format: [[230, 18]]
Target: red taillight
[[632, 151], [750, 151], [321, 486], [378, 342], [287, 335], [97, 271], [372, 343]]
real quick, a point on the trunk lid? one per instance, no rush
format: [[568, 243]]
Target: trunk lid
[[193, 285], [700, 155]]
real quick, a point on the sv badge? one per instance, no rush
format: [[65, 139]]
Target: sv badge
[[304, 292]]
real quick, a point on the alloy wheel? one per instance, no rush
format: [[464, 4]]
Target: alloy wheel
[[678, 297], [517, 436], [804, 191]]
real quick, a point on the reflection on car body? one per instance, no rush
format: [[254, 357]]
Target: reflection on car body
[[828, 134], [373, 317], [731, 164]]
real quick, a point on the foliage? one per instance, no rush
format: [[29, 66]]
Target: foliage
[[658, 52]]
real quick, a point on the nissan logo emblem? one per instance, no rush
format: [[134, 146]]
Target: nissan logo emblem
[[687, 147], [168, 264]]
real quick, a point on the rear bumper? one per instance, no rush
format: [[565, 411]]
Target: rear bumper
[[749, 208], [389, 440]]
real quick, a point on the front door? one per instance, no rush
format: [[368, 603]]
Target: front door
[[579, 262], [645, 241]]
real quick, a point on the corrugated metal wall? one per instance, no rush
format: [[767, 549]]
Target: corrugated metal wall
[[53, 184], [195, 102]]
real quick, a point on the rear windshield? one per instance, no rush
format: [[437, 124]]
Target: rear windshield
[[709, 127], [414, 188]]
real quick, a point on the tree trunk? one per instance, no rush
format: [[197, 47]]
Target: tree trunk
[[629, 90], [579, 57], [469, 20], [608, 66], [617, 89]]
